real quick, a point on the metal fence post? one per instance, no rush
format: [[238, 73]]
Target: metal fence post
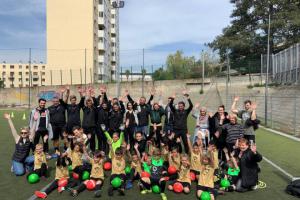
[[271, 111], [295, 116]]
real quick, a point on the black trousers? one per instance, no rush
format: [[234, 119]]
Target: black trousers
[[54, 185], [40, 134], [43, 171], [181, 133], [129, 136], [102, 141], [156, 133]]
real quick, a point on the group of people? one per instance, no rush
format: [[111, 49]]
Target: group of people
[[150, 139]]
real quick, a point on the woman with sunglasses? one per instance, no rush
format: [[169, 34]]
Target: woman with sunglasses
[[21, 159], [202, 125]]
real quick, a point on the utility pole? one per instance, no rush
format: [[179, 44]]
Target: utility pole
[[85, 67], [227, 79], [267, 71], [29, 84], [203, 63]]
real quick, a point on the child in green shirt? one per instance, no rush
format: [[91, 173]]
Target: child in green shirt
[[233, 170], [116, 139]]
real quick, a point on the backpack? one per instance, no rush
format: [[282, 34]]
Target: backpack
[[294, 188]]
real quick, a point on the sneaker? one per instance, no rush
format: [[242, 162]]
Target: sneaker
[[11, 169], [254, 187], [73, 193], [129, 185], [146, 191], [121, 192], [97, 193], [110, 191], [41, 195], [60, 189], [163, 196]]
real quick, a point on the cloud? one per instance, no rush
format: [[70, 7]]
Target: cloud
[[145, 23]]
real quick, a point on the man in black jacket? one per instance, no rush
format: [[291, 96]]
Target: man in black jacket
[[180, 119], [144, 110], [58, 121], [169, 118]]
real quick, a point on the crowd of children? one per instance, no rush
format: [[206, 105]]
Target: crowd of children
[[146, 143]]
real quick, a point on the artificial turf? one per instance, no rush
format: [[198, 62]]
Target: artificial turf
[[280, 150]]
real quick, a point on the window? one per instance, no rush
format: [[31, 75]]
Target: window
[[20, 79], [27, 73], [27, 67], [113, 25], [20, 66], [12, 67], [100, 39], [35, 67], [27, 79], [3, 73], [43, 67], [43, 73], [4, 67], [100, 2], [101, 14], [20, 73], [35, 73], [12, 74], [43, 80], [113, 16], [100, 27]]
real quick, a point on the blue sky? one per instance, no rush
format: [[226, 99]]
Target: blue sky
[[159, 26]]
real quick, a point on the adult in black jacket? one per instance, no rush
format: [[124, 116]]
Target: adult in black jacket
[[143, 113], [180, 119], [89, 120], [215, 125], [73, 110], [249, 158], [116, 117], [169, 118], [103, 118], [131, 121], [58, 121], [24, 143]]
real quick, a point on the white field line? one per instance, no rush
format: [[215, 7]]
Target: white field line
[[291, 177], [282, 134]]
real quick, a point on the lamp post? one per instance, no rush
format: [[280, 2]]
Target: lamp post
[[267, 71], [117, 5]]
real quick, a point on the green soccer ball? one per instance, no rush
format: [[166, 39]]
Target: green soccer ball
[[33, 178], [156, 189], [127, 170], [225, 183], [205, 196], [116, 182], [85, 175]]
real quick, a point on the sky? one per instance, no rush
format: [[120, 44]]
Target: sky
[[159, 26]]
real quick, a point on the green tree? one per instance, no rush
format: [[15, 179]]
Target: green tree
[[127, 74]]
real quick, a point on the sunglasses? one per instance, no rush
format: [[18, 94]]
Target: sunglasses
[[23, 133]]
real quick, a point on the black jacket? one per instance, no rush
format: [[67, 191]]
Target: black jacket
[[57, 115], [180, 117], [102, 116], [116, 118], [143, 115], [73, 112], [249, 168], [89, 119]]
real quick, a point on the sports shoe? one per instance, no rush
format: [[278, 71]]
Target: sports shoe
[[146, 191], [121, 192], [110, 191], [129, 185], [41, 195], [97, 193], [163, 196], [73, 193]]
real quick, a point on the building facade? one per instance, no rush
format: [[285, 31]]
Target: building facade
[[18, 75], [82, 41]]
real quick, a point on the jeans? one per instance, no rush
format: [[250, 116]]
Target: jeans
[[19, 168]]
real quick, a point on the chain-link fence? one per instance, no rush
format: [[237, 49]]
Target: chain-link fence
[[284, 65]]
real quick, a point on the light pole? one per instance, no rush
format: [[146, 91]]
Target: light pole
[[203, 63], [116, 5], [267, 71]]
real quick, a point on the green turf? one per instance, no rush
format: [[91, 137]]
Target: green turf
[[278, 149]]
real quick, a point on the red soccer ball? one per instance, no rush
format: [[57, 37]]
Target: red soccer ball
[[90, 184], [107, 166], [62, 182], [172, 170], [75, 175], [145, 174], [177, 187], [192, 176]]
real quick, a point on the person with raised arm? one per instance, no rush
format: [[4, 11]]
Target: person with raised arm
[[23, 144], [180, 119]]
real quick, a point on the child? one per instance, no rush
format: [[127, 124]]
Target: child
[[174, 161], [212, 147], [75, 154], [142, 143], [136, 166], [116, 140], [184, 175], [158, 175], [233, 170], [60, 172], [97, 174], [40, 161], [206, 178], [196, 156], [118, 169]]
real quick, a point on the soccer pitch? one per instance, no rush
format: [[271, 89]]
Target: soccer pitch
[[282, 151]]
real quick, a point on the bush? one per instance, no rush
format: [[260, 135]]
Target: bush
[[249, 86], [201, 91]]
